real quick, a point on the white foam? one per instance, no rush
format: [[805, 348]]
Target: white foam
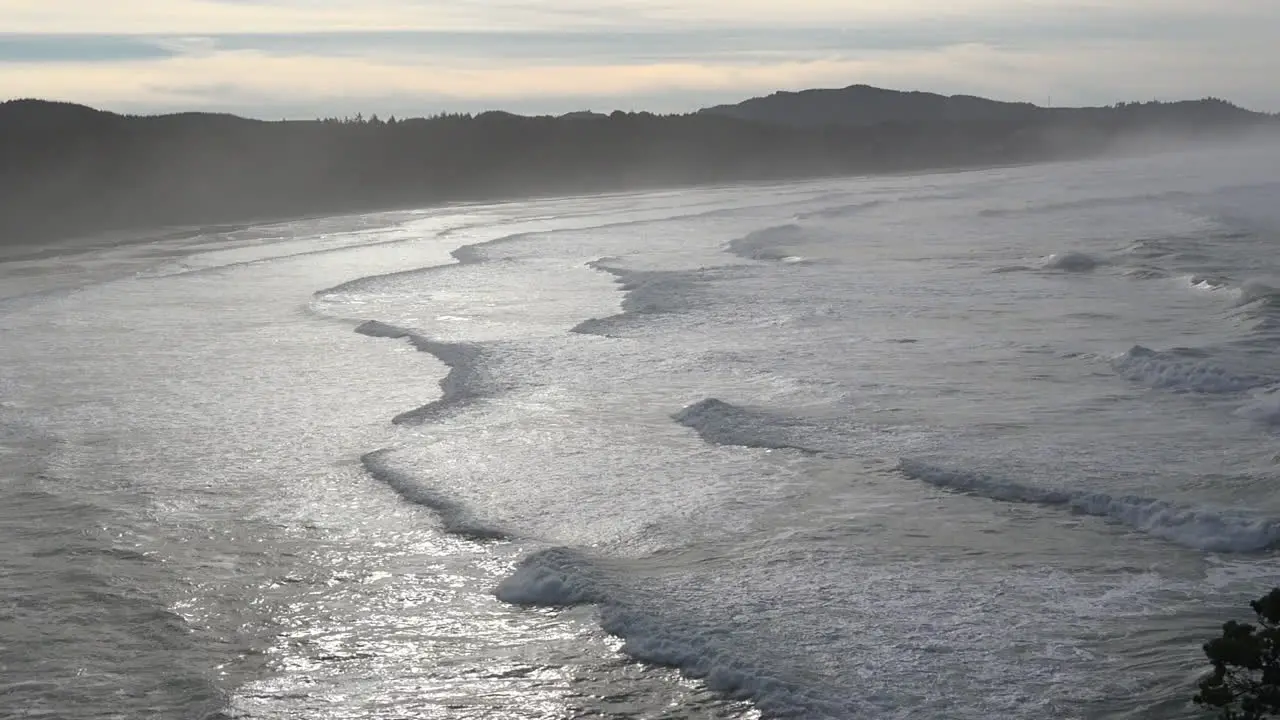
[[1071, 262], [766, 244], [722, 423], [561, 577], [657, 643], [467, 380], [1253, 291], [455, 518], [1207, 282], [1196, 528], [1183, 370], [1145, 273], [1265, 408]]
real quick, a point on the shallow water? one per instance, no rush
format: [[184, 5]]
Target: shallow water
[[981, 444]]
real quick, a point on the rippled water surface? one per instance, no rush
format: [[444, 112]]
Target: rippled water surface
[[972, 445]]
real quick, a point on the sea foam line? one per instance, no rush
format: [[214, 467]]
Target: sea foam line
[[1184, 370], [722, 423], [564, 577], [466, 381], [1196, 528], [456, 518]]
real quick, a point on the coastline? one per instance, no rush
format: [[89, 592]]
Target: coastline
[[90, 240], [38, 249]]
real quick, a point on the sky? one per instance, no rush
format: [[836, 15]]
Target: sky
[[276, 59]]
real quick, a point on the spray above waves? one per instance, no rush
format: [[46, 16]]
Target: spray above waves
[[466, 382], [1196, 528], [721, 423]]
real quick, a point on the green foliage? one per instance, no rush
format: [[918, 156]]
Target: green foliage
[[1245, 682]]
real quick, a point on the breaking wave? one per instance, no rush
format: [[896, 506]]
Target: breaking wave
[[455, 518], [1264, 408], [467, 380], [841, 211], [1146, 273], [651, 292], [1183, 370], [721, 423], [558, 577], [764, 244], [564, 577], [465, 255], [1208, 282], [1196, 528], [1071, 262], [1257, 292], [1081, 204], [646, 293]]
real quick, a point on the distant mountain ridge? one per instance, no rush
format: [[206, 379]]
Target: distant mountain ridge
[[68, 170], [864, 105]]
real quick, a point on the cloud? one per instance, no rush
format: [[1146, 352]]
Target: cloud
[[255, 74], [77, 48], [296, 16], [248, 78], [292, 58], [293, 16]]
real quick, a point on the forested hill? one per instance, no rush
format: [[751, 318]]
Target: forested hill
[[861, 105], [70, 170]]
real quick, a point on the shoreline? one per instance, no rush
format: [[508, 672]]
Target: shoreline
[[119, 237], [112, 238]]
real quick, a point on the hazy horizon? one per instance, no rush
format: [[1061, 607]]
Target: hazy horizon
[[277, 59]]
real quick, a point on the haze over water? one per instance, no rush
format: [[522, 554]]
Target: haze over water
[[969, 445]]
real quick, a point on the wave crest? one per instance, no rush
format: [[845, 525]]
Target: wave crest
[[1183, 370], [467, 380], [562, 577], [653, 292], [1265, 408], [1071, 261], [1196, 528], [765, 244], [557, 577], [1256, 291], [722, 423], [843, 211], [454, 517]]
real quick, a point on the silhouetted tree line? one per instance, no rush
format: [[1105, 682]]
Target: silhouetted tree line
[[1245, 681], [67, 169]]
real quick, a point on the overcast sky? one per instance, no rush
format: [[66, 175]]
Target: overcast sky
[[308, 58]]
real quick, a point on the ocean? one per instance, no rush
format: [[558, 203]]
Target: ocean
[[999, 443]]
